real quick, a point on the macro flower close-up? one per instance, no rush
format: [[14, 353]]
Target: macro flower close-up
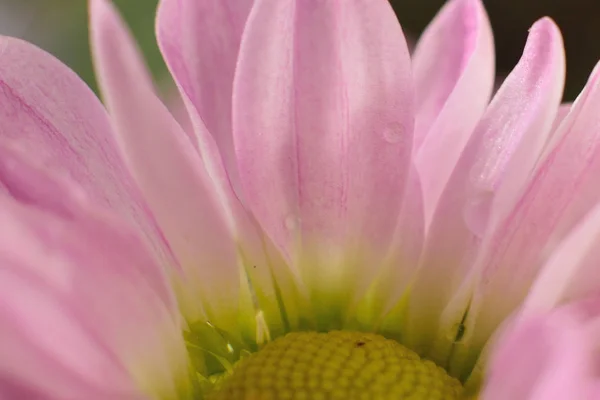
[[330, 215]]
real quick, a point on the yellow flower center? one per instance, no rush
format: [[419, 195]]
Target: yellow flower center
[[335, 365]]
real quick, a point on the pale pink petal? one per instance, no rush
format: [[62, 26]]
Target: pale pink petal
[[456, 49], [573, 270], [57, 118], [169, 170], [510, 136], [177, 107], [507, 157], [212, 235], [329, 145], [409, 237], [553, 138], [213, 154], [563, 189], [24, 182], [191, 58], [563, 110], [381, 305], [84, 309], [541, 358], [200, 41], [453, 67], [324, 152]]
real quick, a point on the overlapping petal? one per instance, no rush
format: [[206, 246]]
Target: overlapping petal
[[169, 171], [200, 41], [323, 155], [542, 357], [52, 113], [507, 140], [382, 304], [571, 271], [454, 73], [561, 192], [84, 308], [453, 67]]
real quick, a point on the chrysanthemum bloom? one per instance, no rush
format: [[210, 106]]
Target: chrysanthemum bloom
[[344, 221]]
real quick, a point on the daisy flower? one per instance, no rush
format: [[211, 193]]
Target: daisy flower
[[341, 219]]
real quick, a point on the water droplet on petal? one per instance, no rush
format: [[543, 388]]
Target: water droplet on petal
[[291, 222], [394, 133], [476, 212]]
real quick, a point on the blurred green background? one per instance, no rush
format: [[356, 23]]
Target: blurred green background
[[61, 27]]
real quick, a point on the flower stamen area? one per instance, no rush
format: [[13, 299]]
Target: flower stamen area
[[335, 365]]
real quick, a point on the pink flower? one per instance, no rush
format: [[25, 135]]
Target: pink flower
[[330, 182]]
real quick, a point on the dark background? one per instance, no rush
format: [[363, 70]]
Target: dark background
[[60, 26]]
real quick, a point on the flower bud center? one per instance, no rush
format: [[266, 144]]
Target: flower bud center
[[335, 365]]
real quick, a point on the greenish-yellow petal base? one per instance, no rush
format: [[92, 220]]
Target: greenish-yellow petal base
[[335, 365]]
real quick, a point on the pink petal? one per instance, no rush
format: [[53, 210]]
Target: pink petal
[[563, 189], [506, 160], [22, 180], [542, 358], [81, 299], [556, 132], [191, 197], [562, 113], [454, 75], [57, 118], [408, 238], [169, 170], [382, 303], [456, 42], [338, 145], [571, 272], [322, 126], [200, 41], [177, 108], [510, 136], [176, 25]]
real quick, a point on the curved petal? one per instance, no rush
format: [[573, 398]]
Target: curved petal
[[543, 357], [56, 117], [571, 273], [510, 136], [324, 151], [555, 133], [23, 181], [200, 41], [453, 67], [563, 189], [383, 304], [169, 171], [563, 110], [455, 51], [81, 299], [507, 157]]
